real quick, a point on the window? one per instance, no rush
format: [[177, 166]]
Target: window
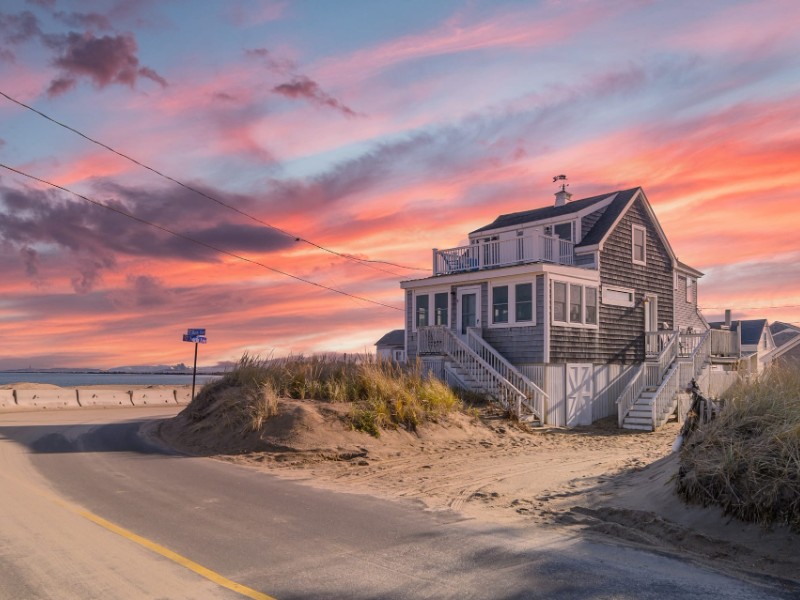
[[689, 295], [614, 296], [500, 304], [559, 301], [639, 241], [523, 302], [575, 304], [440, 305], [563, 231], [591, 306], [422, 310]]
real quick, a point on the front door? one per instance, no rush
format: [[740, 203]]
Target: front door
[[580, 391], [650, 313], [469, 309]]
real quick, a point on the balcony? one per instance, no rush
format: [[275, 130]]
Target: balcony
[[503, 253]]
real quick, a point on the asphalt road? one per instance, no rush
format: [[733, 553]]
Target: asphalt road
[[82, 494]]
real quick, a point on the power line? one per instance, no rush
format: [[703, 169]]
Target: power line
[[196, 241], [366, 262], [749, 307]]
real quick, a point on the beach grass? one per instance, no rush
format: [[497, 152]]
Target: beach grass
[[747, 460], [380, 394]]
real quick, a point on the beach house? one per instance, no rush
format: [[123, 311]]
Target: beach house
[[565, 314]]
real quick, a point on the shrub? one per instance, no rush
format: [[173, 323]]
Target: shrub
[[383, 394], [748, 459]]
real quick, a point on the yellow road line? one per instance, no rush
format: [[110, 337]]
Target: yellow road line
[[165, 552]]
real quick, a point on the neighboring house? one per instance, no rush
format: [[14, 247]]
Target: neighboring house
[[787, 345], [755, 342], [392, 346], [566, 314]]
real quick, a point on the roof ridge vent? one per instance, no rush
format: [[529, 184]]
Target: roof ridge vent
[[562, 195]]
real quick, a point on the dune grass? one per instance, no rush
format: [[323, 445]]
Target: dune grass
[[748, 459], [381, 394]]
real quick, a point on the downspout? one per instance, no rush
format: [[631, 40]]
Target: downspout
[[546, 318]]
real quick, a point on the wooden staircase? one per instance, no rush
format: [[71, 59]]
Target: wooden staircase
[[475, 365], [653, 392]]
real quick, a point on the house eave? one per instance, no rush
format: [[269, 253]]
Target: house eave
[[510, 271]]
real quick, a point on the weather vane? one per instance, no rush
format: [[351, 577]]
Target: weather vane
[[563, 179]]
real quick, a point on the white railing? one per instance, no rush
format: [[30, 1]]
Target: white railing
[[699, 356], [499, 253], [688, 342], [655, 342], [665, 394], [654, 371], [630, 394], [440, 339], [724, 342], [535, 397]]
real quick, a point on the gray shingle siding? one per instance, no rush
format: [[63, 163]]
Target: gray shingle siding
[[411, 336], [686, 314], [622, 329], [520, 345]]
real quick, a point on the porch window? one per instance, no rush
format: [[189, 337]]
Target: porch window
[[523, 297], [559, 301], [500, 304], [575, 303], [422, 310], [591, 306], [639, 243], [440, 306]]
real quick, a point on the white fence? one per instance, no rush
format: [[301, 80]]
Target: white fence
[[498, 253]]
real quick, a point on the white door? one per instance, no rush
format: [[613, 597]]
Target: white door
[[580, 391], [650, 313], [468, 310]]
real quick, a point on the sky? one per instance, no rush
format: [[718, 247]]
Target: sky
[[294, 161]]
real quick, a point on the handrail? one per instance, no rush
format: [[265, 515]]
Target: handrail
[[664, 395], [630, 394], [498, 253], [507, 370], [444, 340]]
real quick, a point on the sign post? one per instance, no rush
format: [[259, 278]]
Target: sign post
[[198, 336]]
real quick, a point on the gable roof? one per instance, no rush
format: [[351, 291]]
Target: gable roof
[[546, 212], [751, 329], [785, 347], [396, 337]]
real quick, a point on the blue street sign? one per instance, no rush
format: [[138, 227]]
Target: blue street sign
[[193, 332], [196, 339]]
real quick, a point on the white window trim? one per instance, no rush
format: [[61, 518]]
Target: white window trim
[[431, 293], [512, 303], [609, 302], [583, 324], [635, 228], [689, 294]]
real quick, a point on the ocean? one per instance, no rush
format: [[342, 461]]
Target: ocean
[[79, 379]]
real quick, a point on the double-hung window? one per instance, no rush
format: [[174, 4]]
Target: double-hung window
[[639, 244], [575, 304], [440, 306], [512, 304], [422, 310], [431, 309], [500, 304]]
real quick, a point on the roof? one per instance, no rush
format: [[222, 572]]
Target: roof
[[396, 337], [611, 215], [783, 333], [690, 270], [546, 212], [751, 329]]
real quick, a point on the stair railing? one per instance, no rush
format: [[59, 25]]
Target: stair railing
[[665, 394], [630, 394], [535, 397], [441, 339]]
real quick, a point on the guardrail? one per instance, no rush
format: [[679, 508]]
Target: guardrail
[[630, 395], [498, 253]]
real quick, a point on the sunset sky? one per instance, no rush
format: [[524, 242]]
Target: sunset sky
[[377, 130]]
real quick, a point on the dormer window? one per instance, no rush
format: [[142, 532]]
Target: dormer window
[[639, 245]]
